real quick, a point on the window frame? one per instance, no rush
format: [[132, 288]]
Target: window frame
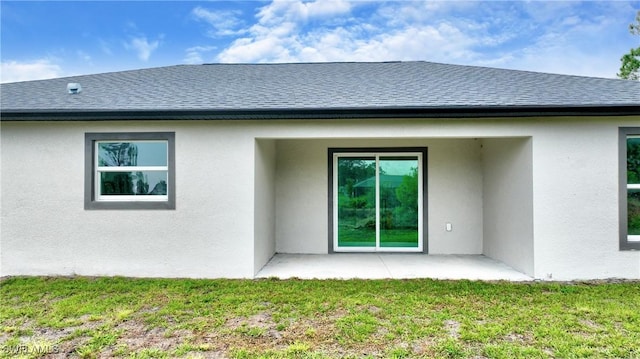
[[625, 242], [91, 197], [424, 224]]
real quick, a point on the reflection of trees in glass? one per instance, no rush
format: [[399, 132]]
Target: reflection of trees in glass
[[633, 177], [142, 185], [352, 171], [118, 154], [633, 211], [125, 154], [407, 194], [116, 183], [160, 188], [633, 160], [398, 194], [356, 204]]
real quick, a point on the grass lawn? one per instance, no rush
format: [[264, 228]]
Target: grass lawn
[[161, 318]]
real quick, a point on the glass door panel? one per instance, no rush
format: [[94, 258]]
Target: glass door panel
[[399, 191], [356, 192], [377, 202]]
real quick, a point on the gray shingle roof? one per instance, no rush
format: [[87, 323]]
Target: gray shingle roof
[[315, 86]]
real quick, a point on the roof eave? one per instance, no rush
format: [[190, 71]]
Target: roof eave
[[322, 113]]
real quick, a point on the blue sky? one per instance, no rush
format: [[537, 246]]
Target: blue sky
[[55, 39]]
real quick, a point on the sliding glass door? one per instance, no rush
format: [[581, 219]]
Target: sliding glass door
[[377, 202]]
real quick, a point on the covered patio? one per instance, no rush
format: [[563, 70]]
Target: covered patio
[[477, 208], [388, 265]]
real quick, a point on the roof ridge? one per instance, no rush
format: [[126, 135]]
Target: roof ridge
[[409, 62]]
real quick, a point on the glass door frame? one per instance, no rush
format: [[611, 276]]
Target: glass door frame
[[420, 153]]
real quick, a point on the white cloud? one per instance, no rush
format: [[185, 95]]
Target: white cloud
[[14, 71], [224, 23], [266, 49], [561, 58], [326, 8], [280, 36], [572, 42], [299, 11], [194, 54], [563, 37], [142, 46]]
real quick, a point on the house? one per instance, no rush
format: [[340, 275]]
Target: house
[[209, 170]]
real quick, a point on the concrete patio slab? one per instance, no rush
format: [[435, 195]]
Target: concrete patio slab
[[388, 265]]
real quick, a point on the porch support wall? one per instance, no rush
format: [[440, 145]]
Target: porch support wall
[[264, 244], [301, 197], [508, 202]]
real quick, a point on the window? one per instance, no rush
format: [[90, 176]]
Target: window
[[130, 170], [629, 188], [377, 199]]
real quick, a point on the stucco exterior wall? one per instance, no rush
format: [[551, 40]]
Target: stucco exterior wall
[[507, 179], [46, 230], [575, 201], [215, 231]]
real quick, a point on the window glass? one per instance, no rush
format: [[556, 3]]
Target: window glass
[[399, 191], [138, 153], [633, 212], [133, 183], [633, 185], [356, 202]]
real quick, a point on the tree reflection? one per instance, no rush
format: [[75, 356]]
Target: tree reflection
[[125, 154], [633, 177], [118, 154]]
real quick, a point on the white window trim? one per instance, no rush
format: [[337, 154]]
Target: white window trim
[[633, 238]]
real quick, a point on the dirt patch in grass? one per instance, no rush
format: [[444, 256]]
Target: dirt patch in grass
[[260, 320], [517, 338], [453, 328], [135, 336]]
